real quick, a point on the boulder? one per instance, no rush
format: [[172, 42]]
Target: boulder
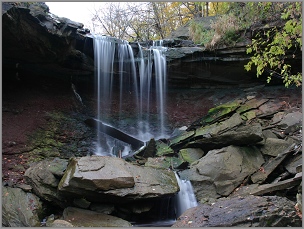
[[249, 211], [273, 146], [102, 208], [81, 203], [191, 154], [91, 173], [291, 122], [61, 223], [108, 179], [222, 126], [241, 136], [20, 209], [86, 218], [220, 171], [44, 178]]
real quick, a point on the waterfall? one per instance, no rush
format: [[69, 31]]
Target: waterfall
[[157, 58], [185, 198], [161, 78], [103, 75], [114, 61]]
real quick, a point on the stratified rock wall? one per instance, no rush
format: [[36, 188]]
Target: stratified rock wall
[[36, 42]]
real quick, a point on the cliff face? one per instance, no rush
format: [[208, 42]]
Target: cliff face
[[39, 45], [196, 67]]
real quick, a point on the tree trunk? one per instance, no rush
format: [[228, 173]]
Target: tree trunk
[[115, 133]]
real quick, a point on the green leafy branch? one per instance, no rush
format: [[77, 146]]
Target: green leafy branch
[[271, 48]]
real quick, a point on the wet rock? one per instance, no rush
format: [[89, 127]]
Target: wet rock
[[85, 218], [20, 209], [44, 178], [109, 179], [150, 149], [250, 211], [220, 171]]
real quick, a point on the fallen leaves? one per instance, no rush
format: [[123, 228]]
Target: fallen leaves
[[262, 170], [298, 211]]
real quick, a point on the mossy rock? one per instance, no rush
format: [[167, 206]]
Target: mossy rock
[[162, 149], [191, 154], [20, 209], [217, 113], [216, 128], [165, 162], [181, 138], [251, 104], [249, 115]]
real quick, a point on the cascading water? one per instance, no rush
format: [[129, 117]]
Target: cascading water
[[135, 89], [104, 75], [161, 77], [156, 53], [185, 199]]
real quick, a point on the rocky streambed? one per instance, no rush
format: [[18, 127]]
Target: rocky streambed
[[242, 153]]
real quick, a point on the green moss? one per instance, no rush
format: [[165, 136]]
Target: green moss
[[58, 138], [190, 154], [163, 149], [216, 113], [181, 138], [69, 170], [248, 115]]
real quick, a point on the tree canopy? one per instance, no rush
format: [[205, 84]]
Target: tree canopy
[[150, 20]]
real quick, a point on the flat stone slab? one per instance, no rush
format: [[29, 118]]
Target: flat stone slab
[[104, 179], [94, 174]]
